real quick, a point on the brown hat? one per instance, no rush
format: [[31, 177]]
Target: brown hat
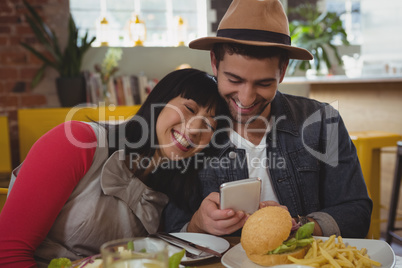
[[256, 23]]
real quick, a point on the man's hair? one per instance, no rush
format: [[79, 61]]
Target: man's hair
[[257, 52]]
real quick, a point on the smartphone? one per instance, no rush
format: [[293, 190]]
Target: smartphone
[[241, 195]]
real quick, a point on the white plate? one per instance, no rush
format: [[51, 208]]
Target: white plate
[[378, 250], [213, 242]]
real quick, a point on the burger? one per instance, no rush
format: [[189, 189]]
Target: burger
[[269, 236]]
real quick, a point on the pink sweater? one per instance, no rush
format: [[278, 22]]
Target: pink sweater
[[51, 170]]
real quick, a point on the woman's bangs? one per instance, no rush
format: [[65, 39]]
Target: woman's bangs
[[205, 95]]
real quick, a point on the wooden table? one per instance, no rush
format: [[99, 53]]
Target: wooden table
[[215, 261]]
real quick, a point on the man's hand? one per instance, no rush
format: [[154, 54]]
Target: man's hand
[[271, 203], [210, 219]]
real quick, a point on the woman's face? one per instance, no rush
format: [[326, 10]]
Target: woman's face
[[184, 128]]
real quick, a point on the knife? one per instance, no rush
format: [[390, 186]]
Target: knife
[[179, 241]]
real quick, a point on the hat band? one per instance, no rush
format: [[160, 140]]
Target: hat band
[[254, 35]]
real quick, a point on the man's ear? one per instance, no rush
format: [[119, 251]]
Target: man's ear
[[213, 63], [283, 71]]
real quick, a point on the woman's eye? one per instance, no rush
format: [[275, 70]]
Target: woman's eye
[[210, 127], [190, 109], [207, 123]]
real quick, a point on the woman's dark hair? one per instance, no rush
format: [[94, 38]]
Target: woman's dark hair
[[186, 83]]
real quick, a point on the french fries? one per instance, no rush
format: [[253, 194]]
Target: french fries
[[332, 253]]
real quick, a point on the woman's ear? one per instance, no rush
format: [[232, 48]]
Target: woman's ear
[[213, 63]]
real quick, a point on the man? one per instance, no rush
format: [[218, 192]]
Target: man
[[299, 147]]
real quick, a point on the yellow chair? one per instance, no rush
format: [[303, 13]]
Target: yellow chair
[[3, 197], [368, 145], [33, 123], [5, 151]]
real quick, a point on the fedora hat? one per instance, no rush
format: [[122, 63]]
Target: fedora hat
[[256, 23]]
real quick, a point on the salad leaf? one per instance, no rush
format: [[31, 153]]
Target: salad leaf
[[175, 259], [130, 245], [302, 238], [304, 242], [305, 231], [60, 263]]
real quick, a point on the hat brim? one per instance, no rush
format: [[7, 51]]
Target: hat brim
[[206, 43]]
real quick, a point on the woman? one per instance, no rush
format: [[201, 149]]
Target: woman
[[83, 184]]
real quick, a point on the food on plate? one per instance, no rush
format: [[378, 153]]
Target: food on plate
[[336, 254], [96, 261], [89, 262], [268, 239], [175, 259], [60, 263]]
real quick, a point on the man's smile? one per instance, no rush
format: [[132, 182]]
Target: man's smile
[[244, 109]]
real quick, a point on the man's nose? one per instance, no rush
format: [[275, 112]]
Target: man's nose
[[247, 95]]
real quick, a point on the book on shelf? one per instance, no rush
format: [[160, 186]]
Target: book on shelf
[[135, 89], [120, 90], [118, 83], [111, 92]]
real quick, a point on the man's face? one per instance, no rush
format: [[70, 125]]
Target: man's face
[[248, 84]]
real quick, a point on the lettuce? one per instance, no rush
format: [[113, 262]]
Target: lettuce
[[60, 263], [302, 238]]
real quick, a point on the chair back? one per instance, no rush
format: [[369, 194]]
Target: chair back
[[3, 197], [34, 123], [5, 151]]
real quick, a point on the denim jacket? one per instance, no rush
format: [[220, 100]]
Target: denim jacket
[[313, 166]]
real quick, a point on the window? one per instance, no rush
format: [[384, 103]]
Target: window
[[161, 18], [350, 15]]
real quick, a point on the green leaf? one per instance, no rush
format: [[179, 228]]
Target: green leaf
[[39, 55], [305, 231], [175, 259], [38, 76], [130, 245], [302, 238], [304, 242], [68, 61], [314, 31], [59, 263]]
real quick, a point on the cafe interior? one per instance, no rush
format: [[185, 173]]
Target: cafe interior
[[129, 45]]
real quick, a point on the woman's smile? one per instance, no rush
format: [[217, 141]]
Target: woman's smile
[[181, 141], [184, 128]]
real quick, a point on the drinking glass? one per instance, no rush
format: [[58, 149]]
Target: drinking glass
[[134, 253]]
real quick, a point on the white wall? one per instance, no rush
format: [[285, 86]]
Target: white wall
[[155, 62]]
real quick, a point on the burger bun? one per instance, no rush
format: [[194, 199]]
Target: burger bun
[[265, 230]]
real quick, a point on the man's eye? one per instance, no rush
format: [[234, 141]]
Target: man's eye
[[190, 109], [234, 81]]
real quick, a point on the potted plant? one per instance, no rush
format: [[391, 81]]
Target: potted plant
[[316, 32], [71, 83]]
